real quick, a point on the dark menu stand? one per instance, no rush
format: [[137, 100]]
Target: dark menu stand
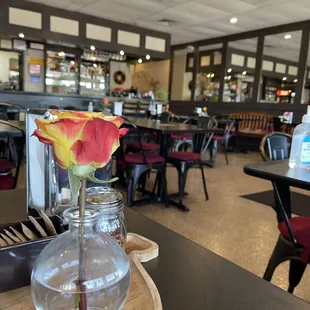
[[164, 131], [187, 275]]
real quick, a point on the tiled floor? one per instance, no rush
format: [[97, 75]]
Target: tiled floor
[[242, 231]]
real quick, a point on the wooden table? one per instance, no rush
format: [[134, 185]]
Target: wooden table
[[189, 276]]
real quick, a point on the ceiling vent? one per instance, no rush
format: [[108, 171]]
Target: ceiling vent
[[166, 22]]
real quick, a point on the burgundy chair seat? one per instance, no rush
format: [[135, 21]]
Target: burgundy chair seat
[[301, 230], [184, 156], [218, 138], [6, 182], [145, 146], [185, 136], [138, 159], [6, 165]]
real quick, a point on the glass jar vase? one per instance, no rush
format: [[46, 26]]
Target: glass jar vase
[[110, 203], [81, 269]]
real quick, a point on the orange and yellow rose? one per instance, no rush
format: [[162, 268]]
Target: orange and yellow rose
[[81, 139]]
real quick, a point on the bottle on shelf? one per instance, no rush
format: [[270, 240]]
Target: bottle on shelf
[[90, 107]]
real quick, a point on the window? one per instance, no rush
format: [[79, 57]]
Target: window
[[208, 76], [10, 64], [280, 67], [240, 68]]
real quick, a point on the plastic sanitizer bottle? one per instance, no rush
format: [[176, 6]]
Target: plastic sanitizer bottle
[[300, 150]]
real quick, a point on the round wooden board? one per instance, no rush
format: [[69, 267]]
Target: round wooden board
[[143, 293]]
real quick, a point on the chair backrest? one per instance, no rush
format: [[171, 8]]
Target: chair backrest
[[206, 122], [253, 120], [275, 146], [139, 136], [201, 140], [17, 145], [3, 117]]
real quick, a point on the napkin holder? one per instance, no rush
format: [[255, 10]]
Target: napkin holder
[[17, 260]]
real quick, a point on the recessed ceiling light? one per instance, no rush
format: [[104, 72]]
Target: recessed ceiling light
[[295, 81], [148, 57], [92, 48], [229, 70], [95, 65], [212, 75], [287, 36], [140, 61], [122, 53], [233, 20], [208, 75], [244, 73], [229, 77], [72, 62], [21, 35], [284, 78]]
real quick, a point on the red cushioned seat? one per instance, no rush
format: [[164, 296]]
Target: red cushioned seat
[[145, 146], [6, 182], [218, 138], [301, 230], [138, 159], [6, 165], [185, 136], [184, 156]]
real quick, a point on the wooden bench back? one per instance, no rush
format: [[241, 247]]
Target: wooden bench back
[[253, 120]]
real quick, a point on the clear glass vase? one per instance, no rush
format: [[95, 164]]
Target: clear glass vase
[[81, 269]]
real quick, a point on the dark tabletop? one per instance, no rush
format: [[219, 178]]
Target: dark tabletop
[[9, 131], [279, 171], [169, 128], [187, 275]]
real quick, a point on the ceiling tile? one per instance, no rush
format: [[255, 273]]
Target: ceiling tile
[[194, 12], [224, 26], [293, 11], [264, 3], [111, 10], [268, 17], [304, 3], [236, 6]]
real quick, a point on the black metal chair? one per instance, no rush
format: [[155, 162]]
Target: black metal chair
[[138, 164], [275, 146], [294, 240], [183, 161], [227, 125], [13, 159]]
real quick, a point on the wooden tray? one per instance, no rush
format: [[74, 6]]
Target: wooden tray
[[143, 293]]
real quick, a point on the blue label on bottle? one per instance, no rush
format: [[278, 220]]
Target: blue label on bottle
[[305, 151]]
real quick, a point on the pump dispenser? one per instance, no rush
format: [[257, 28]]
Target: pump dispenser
[[300, 150]]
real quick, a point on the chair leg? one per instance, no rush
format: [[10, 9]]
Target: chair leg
[[282, 252], [204, 182], [133, 176], [226, 150], [129, 191], [297, 269], [164, 182], [182, 175], [155, 184]]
